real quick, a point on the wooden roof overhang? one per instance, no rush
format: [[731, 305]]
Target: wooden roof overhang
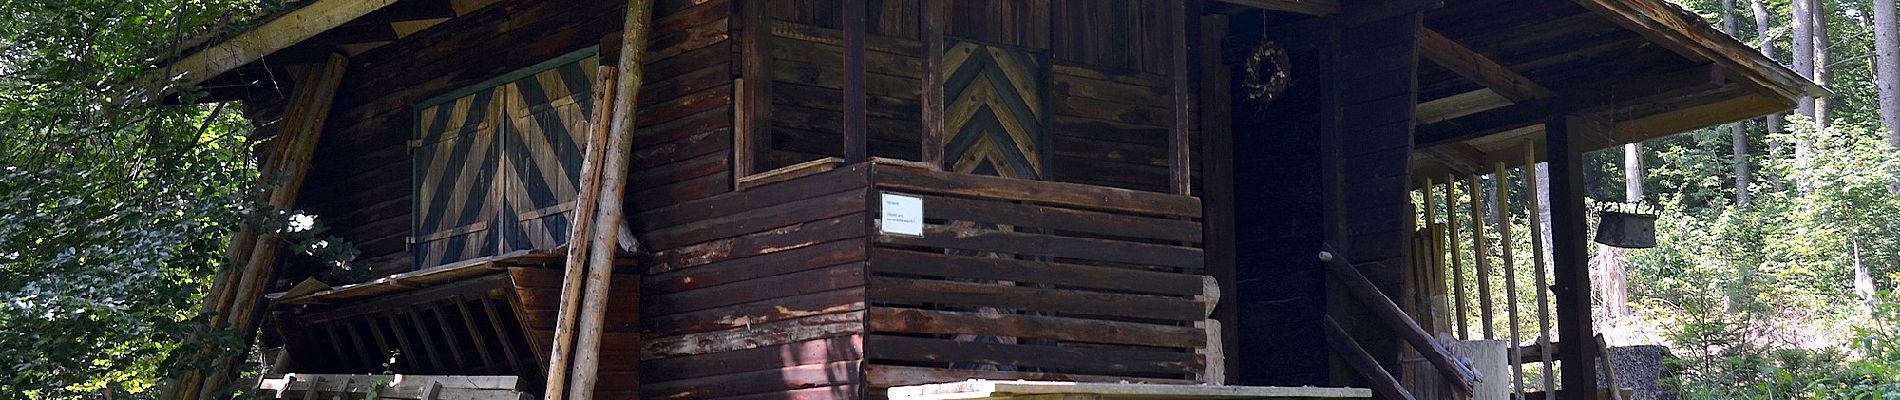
[[229, 66], [1493, 71]]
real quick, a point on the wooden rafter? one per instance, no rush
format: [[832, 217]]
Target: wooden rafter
[[1595, 97], [1459, 105], [1689, 36], [1478, 68], [278, 34], [1308, 7]]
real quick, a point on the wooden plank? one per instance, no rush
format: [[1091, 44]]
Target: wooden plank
[[1308, 7], [754, 110], [892, 376], [788, 307], [788, 212], [981, 389], [1480, 247], [770, 334], [277, 34], [1688, 35], [1500, 188], [1478, 67], [936, 20], [1394, 318], [915, 263], [764, 357], [757, 267], [856, 135], [712, 207], [910, 320], [1057, 193], [1368, 368], [1122, 252], [888, 290], [1066, 220], [765, 242], [757, 382], [1065, 359], [841, 276], [1537, 259]]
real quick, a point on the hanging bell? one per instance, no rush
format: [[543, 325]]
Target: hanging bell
[[1626, 230]]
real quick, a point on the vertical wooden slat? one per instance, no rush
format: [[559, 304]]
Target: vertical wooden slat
[[1217, 176], [421, 329], [507, 346], [475, 333], [1501, 208], [448, 336], [1569, 248], [856, 136], [1479, 245], [755, 89], [1457, 263], [1537, 261], [1179, 140], [936, 15]]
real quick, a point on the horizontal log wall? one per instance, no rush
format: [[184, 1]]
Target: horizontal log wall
[[1036, 280], [536, 297], [758, 293], [1108, 83]]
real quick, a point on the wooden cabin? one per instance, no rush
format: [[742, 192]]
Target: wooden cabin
[[829, 198]]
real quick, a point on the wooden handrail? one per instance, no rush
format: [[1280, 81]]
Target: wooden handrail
[[1463, 377], [1363, 363]]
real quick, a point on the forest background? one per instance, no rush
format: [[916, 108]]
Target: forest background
[[1779, 237]]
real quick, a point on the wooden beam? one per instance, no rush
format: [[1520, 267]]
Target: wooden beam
[[580, 236], [1395, 318], [936, 16], [1478, 68], [1570, 249], [606, 245], [1595, 97], [1459, 105], [1217, 174], [754, 116], [1180, 147], [1362, 362], [236, 306], [1689, 36], [277, 34], [1308, 7], [856, 136]]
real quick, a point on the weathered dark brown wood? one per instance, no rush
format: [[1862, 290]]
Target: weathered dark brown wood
[[856, 145], [1180, 140], [1057, 193], [918, 291], [754, 109], [773, 357], [1569, 248], [891, 376], [1478, 67], [757, 382], [1097, 361], [936, 20], [772, 241], [749, 268], [1597, 96], [909, 320], [743, 315], [915, 263], [1217, 182], [1395, 318], [1362, 362], [1120, 252]]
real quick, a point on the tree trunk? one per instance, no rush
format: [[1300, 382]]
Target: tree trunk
[[1737, 132], [1764, 26], [1887, 71], [1633, 172], [1823, 72], [1803, 17]]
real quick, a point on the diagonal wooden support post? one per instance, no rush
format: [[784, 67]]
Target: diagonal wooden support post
[[580, 236], [1462, 376]]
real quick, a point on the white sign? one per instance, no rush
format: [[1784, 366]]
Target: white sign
[[903, 215]]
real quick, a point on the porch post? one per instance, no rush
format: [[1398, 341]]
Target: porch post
[[936, 20], [856, 146], [1567, 135]]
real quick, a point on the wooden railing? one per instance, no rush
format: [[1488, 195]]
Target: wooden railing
[[1016, 279]]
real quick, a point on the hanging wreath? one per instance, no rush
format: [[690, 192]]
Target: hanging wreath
[[1269, 71]]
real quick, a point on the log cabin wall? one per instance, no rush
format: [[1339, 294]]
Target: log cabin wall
[[1280, 292], [1106, 81]]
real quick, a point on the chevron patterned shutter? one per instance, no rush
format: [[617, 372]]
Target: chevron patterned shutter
[[995, 111], [455, 160], [546, 139]]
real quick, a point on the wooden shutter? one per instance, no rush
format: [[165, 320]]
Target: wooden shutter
[[548, 120], [995, 110], [455, 160]]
